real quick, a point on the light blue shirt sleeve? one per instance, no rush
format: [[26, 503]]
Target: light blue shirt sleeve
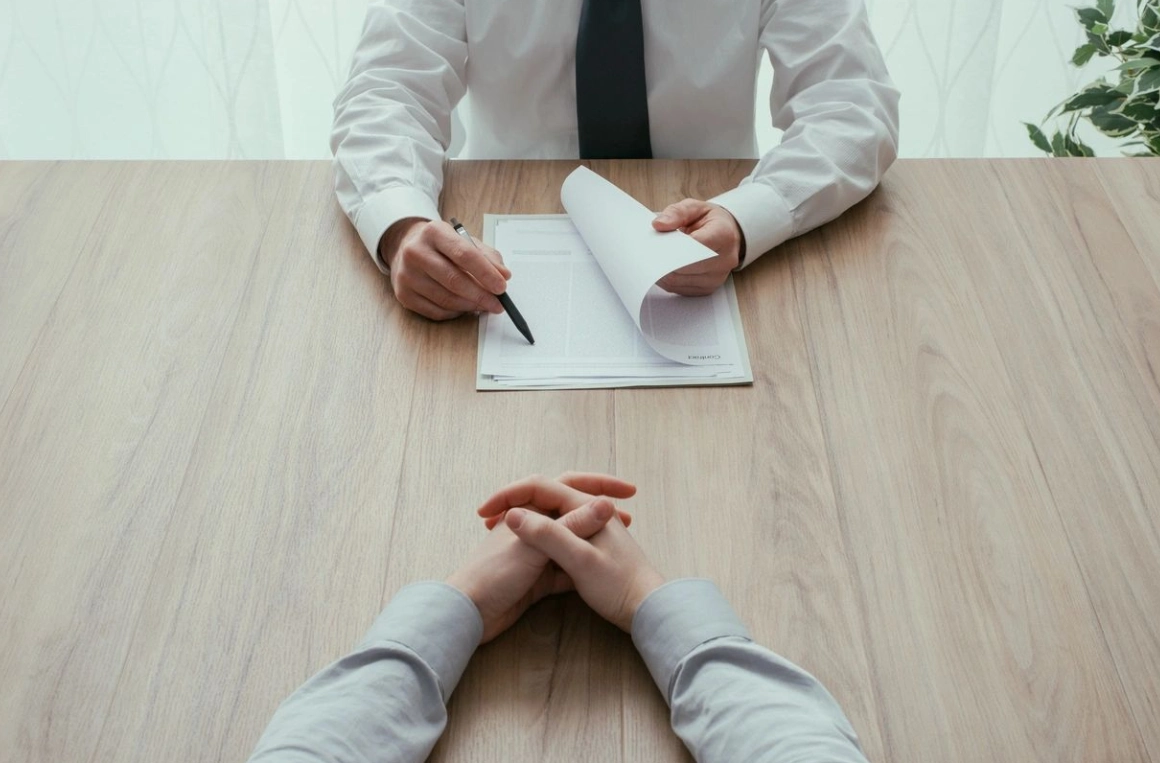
[[386, 700], [731, 699]]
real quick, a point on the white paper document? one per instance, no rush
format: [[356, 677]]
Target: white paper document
[[585, 283]]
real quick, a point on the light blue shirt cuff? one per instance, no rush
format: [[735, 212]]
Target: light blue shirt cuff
[[436, 621], [675, 619]]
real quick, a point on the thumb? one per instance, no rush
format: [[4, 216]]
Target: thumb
[[680, 214], [589, 519], [549, 537]]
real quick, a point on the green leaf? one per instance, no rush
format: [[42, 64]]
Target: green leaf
[[1138, 64], [1149, 82], [1076, 147], [1150, 17], [1038, 138], [1106, 7], [1117, 39], [1058, 147], [1083, 54], [1138, 109], [1089, 17], [1143, 39], [1111, 124], [1098, 42], [1097, 95]]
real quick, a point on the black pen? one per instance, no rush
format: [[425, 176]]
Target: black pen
[[504, 299]]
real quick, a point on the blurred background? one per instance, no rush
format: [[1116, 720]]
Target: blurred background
[[254, 79]]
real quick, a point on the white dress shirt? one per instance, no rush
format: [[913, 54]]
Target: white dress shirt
[[731, 699], [514, 60]]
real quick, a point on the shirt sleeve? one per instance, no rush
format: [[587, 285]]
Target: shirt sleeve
[[386, 700], [731, 699], [838, 107], [392, 120]]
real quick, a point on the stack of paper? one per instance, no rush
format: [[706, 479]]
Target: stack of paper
[[585, 283]]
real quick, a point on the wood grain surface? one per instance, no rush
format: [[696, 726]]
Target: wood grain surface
[[223, 447]]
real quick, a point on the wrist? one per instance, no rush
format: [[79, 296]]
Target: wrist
[[461, 582], [646, 582], [739, 234], [392, 240]]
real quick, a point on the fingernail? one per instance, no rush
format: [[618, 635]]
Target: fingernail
[[664, 217], [515, 518]]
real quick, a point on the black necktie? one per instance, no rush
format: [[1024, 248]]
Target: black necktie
[[611, 96]]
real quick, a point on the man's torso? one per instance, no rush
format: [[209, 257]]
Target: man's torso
[[701, 61]]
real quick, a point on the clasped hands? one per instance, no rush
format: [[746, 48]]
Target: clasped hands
[[436, 273], [551, 536]]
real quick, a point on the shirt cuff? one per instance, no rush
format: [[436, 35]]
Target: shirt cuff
[[386, 208], [677, 618], [435, 621], [765, 217]]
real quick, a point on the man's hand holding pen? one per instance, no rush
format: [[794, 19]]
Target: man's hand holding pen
[[440, 275]]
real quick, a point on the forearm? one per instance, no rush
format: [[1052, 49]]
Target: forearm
[[735, 700], [386, 700], [392, 120], [838, 107], [732, 699]]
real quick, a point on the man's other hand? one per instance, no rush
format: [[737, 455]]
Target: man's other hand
[[438, 274], [712, 226]]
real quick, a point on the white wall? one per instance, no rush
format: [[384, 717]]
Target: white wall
[[255, 78]]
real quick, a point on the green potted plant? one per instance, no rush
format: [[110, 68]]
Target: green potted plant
[[1128, 109]]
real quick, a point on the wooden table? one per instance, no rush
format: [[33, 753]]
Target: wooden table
[[223, 446]]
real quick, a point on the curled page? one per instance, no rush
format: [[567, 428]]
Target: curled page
[[618, 230]]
